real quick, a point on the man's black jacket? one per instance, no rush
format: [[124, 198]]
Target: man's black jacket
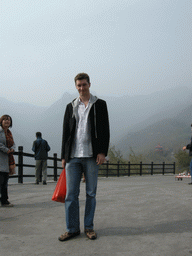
[[99, 129], [189, 147]]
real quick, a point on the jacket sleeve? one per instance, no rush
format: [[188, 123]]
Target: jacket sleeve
[[48, 147], [33, 147], [103, 128], [13, 147], [189, 146], [66, 130], [3, 148]]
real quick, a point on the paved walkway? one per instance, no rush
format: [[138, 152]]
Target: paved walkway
[[148, 215]]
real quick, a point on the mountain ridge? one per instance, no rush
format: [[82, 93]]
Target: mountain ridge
[[126, 114], [172, 133]]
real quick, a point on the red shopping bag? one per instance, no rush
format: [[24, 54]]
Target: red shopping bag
[[60, 189]]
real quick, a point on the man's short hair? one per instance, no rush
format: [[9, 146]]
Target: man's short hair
[[82, 76], [5, 117], [38, 134]]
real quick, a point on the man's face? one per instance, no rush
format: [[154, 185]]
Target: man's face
[[83, 87]]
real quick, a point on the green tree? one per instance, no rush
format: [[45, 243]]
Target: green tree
[[159, 157], [115, 155], [182, 160], [135, 159]]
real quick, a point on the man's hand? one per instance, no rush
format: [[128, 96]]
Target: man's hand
[[100, 159], [184, 148], [63, 163]]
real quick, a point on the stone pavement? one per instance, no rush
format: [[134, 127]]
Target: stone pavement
[[148, 215]]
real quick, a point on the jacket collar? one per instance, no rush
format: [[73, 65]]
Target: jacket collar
[[75, 104], [92, 100]]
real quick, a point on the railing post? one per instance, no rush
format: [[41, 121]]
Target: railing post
[[55, 166], [129, 169], [151, 168], [140, 168], [174, 168], [163, 168], [20, 164], [118, 169], [107, 171]]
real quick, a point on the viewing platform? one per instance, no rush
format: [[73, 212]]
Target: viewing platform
[[148, 215]]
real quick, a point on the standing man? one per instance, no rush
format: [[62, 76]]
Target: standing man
[[85, 144], [40, 147], [189, 147]]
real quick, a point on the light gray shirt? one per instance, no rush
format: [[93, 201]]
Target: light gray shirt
[[82, 146]]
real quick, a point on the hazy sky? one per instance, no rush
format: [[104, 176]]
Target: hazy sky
[[126, 46]]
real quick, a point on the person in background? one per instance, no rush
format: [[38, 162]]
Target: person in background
[[189, 147], [40, 148], [7, 162], [85, 144]]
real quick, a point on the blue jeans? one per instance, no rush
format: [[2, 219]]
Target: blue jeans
[[74, 171]]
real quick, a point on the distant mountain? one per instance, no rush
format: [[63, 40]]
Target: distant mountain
[[24, 118], [171, 133], [166, 114], [127, 114]]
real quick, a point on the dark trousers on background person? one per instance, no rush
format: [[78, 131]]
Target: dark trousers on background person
[[41, 165], [4, 176]]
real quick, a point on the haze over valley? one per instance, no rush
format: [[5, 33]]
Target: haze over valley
[[140, 122]]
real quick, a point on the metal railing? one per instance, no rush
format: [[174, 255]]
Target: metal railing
[[107, 169], [119, 169]]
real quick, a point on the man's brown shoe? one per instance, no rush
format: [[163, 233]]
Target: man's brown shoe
[[91, 234], [66, 236]]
